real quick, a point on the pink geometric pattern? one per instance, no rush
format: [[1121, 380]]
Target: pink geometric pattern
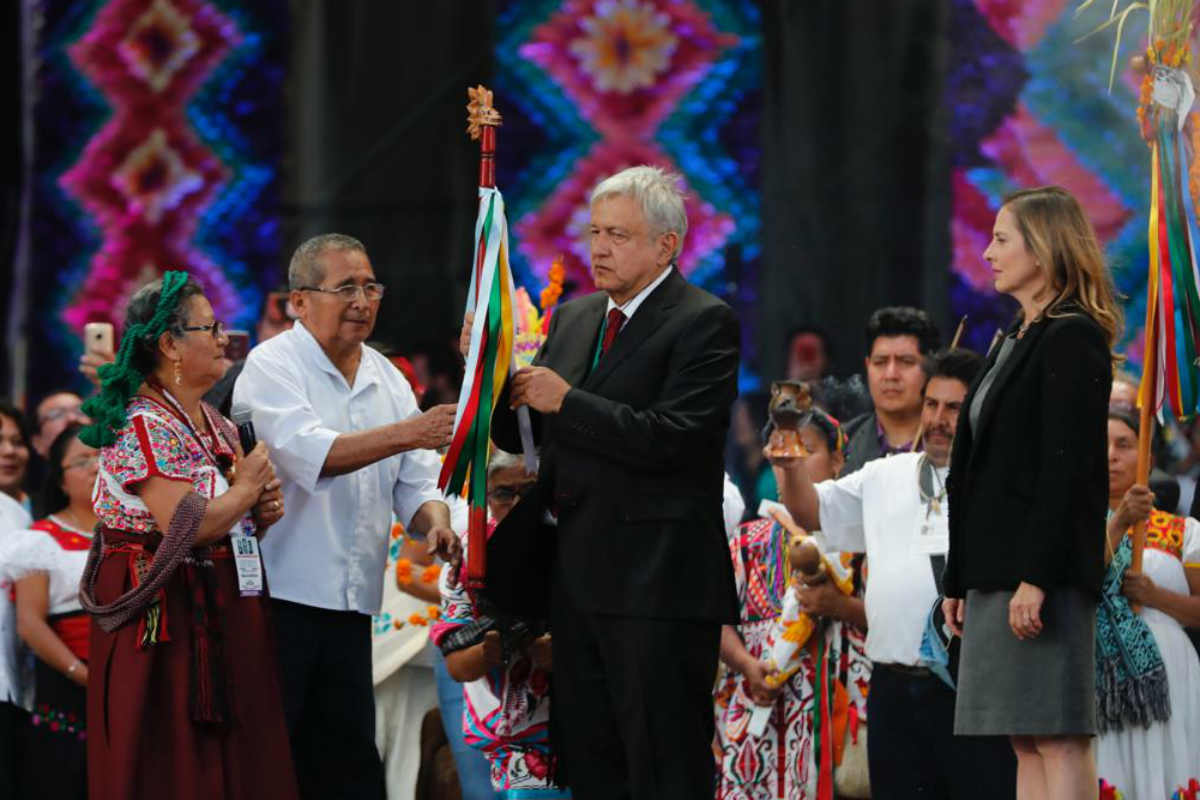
[[1021, 23], [626, 64], [146, 177], [1034, 155]]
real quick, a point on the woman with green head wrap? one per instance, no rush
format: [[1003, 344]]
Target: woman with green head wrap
[[182, 686]]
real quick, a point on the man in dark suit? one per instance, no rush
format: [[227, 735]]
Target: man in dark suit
[[631, 393]]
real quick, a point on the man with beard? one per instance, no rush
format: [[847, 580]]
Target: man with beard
[[894, 510]]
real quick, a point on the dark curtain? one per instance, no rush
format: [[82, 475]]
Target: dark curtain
[[13, 180], [855, 176], [377, 148]]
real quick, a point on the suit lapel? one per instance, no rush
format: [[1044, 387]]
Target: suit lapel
[[638, 329], [578, 344], [1021, 350]]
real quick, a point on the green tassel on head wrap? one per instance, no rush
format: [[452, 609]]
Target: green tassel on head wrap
[[120, 380]]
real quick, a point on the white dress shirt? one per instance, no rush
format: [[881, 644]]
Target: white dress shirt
[[879, 511], [631, 305], [14, 519], [330, 548]]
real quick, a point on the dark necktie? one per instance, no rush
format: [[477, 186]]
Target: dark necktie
[[615, 320]]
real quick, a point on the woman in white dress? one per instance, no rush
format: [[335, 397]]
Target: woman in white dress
[[1149, 745]]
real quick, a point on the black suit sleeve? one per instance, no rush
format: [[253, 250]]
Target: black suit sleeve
[[700, 386], [1075, 377]]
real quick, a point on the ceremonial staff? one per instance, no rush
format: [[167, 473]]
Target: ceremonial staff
[[490, 357], [1172, 333]]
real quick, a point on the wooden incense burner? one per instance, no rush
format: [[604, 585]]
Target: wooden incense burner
[[790, 410]]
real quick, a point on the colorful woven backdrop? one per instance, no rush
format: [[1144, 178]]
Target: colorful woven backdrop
[[1030, 105], [588, 87], [158, 131], [159, 137]]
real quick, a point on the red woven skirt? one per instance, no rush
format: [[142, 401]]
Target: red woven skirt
[[201, 646]]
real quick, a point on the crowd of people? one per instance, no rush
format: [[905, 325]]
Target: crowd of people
[[933, 596]]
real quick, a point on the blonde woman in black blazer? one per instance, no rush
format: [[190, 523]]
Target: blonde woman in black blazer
[[1028, 493]]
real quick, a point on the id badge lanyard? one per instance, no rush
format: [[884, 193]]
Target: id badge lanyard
[[247, 559]]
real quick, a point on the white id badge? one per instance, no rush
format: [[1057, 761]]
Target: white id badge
[[248, 563], [932, 536]]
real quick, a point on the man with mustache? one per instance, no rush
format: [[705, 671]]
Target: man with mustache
[[894, 509], [352, 449]]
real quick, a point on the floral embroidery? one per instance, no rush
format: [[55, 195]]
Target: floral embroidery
[[1165, 532], [506, 712], [65, 722], [152, 443], [782, 762]]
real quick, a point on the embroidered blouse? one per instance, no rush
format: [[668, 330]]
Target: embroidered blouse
[[155, 443]]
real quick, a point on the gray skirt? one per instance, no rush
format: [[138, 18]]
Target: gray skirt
[[1037, 687]]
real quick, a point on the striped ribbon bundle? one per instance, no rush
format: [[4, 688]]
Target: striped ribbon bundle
[[489, 361], [1170, 375]]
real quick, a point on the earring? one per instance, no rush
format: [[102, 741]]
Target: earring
[[178, 375]]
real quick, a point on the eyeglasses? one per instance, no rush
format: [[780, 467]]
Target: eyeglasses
[[371, 292], [59, 413], [82, 463], [510, 494], [217, 327]]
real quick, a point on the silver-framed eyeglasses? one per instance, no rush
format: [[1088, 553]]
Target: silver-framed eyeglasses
[[371, 292], [59, 413], [83, 462], [216, 327]]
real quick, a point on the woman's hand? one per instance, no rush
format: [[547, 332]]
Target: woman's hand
[[79, 673], [254, 471], [755, 672], [1135, 506], [954, 609], [1025, 611], [269, 508], [1139, 589]]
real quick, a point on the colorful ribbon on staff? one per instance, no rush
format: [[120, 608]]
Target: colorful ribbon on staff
[[1170, 375], [491, 298]]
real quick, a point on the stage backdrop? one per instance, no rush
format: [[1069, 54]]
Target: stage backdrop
[[588, 87], [838, 154], [157, 137], [1030, 106]]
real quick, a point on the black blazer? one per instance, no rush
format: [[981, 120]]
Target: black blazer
[[633, 462], [1029, 488]]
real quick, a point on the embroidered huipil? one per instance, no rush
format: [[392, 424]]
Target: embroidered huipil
[[1155, 760], [506, 713], [13, 518], [782, 764], [330, 548]]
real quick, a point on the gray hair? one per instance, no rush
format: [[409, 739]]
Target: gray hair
[[657, 192], [305, 267], [502, 459]]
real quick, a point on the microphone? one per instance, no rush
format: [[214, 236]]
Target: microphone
[[245, 427]]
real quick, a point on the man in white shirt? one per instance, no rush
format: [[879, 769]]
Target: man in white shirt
[[351, 447], [894, 509]]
